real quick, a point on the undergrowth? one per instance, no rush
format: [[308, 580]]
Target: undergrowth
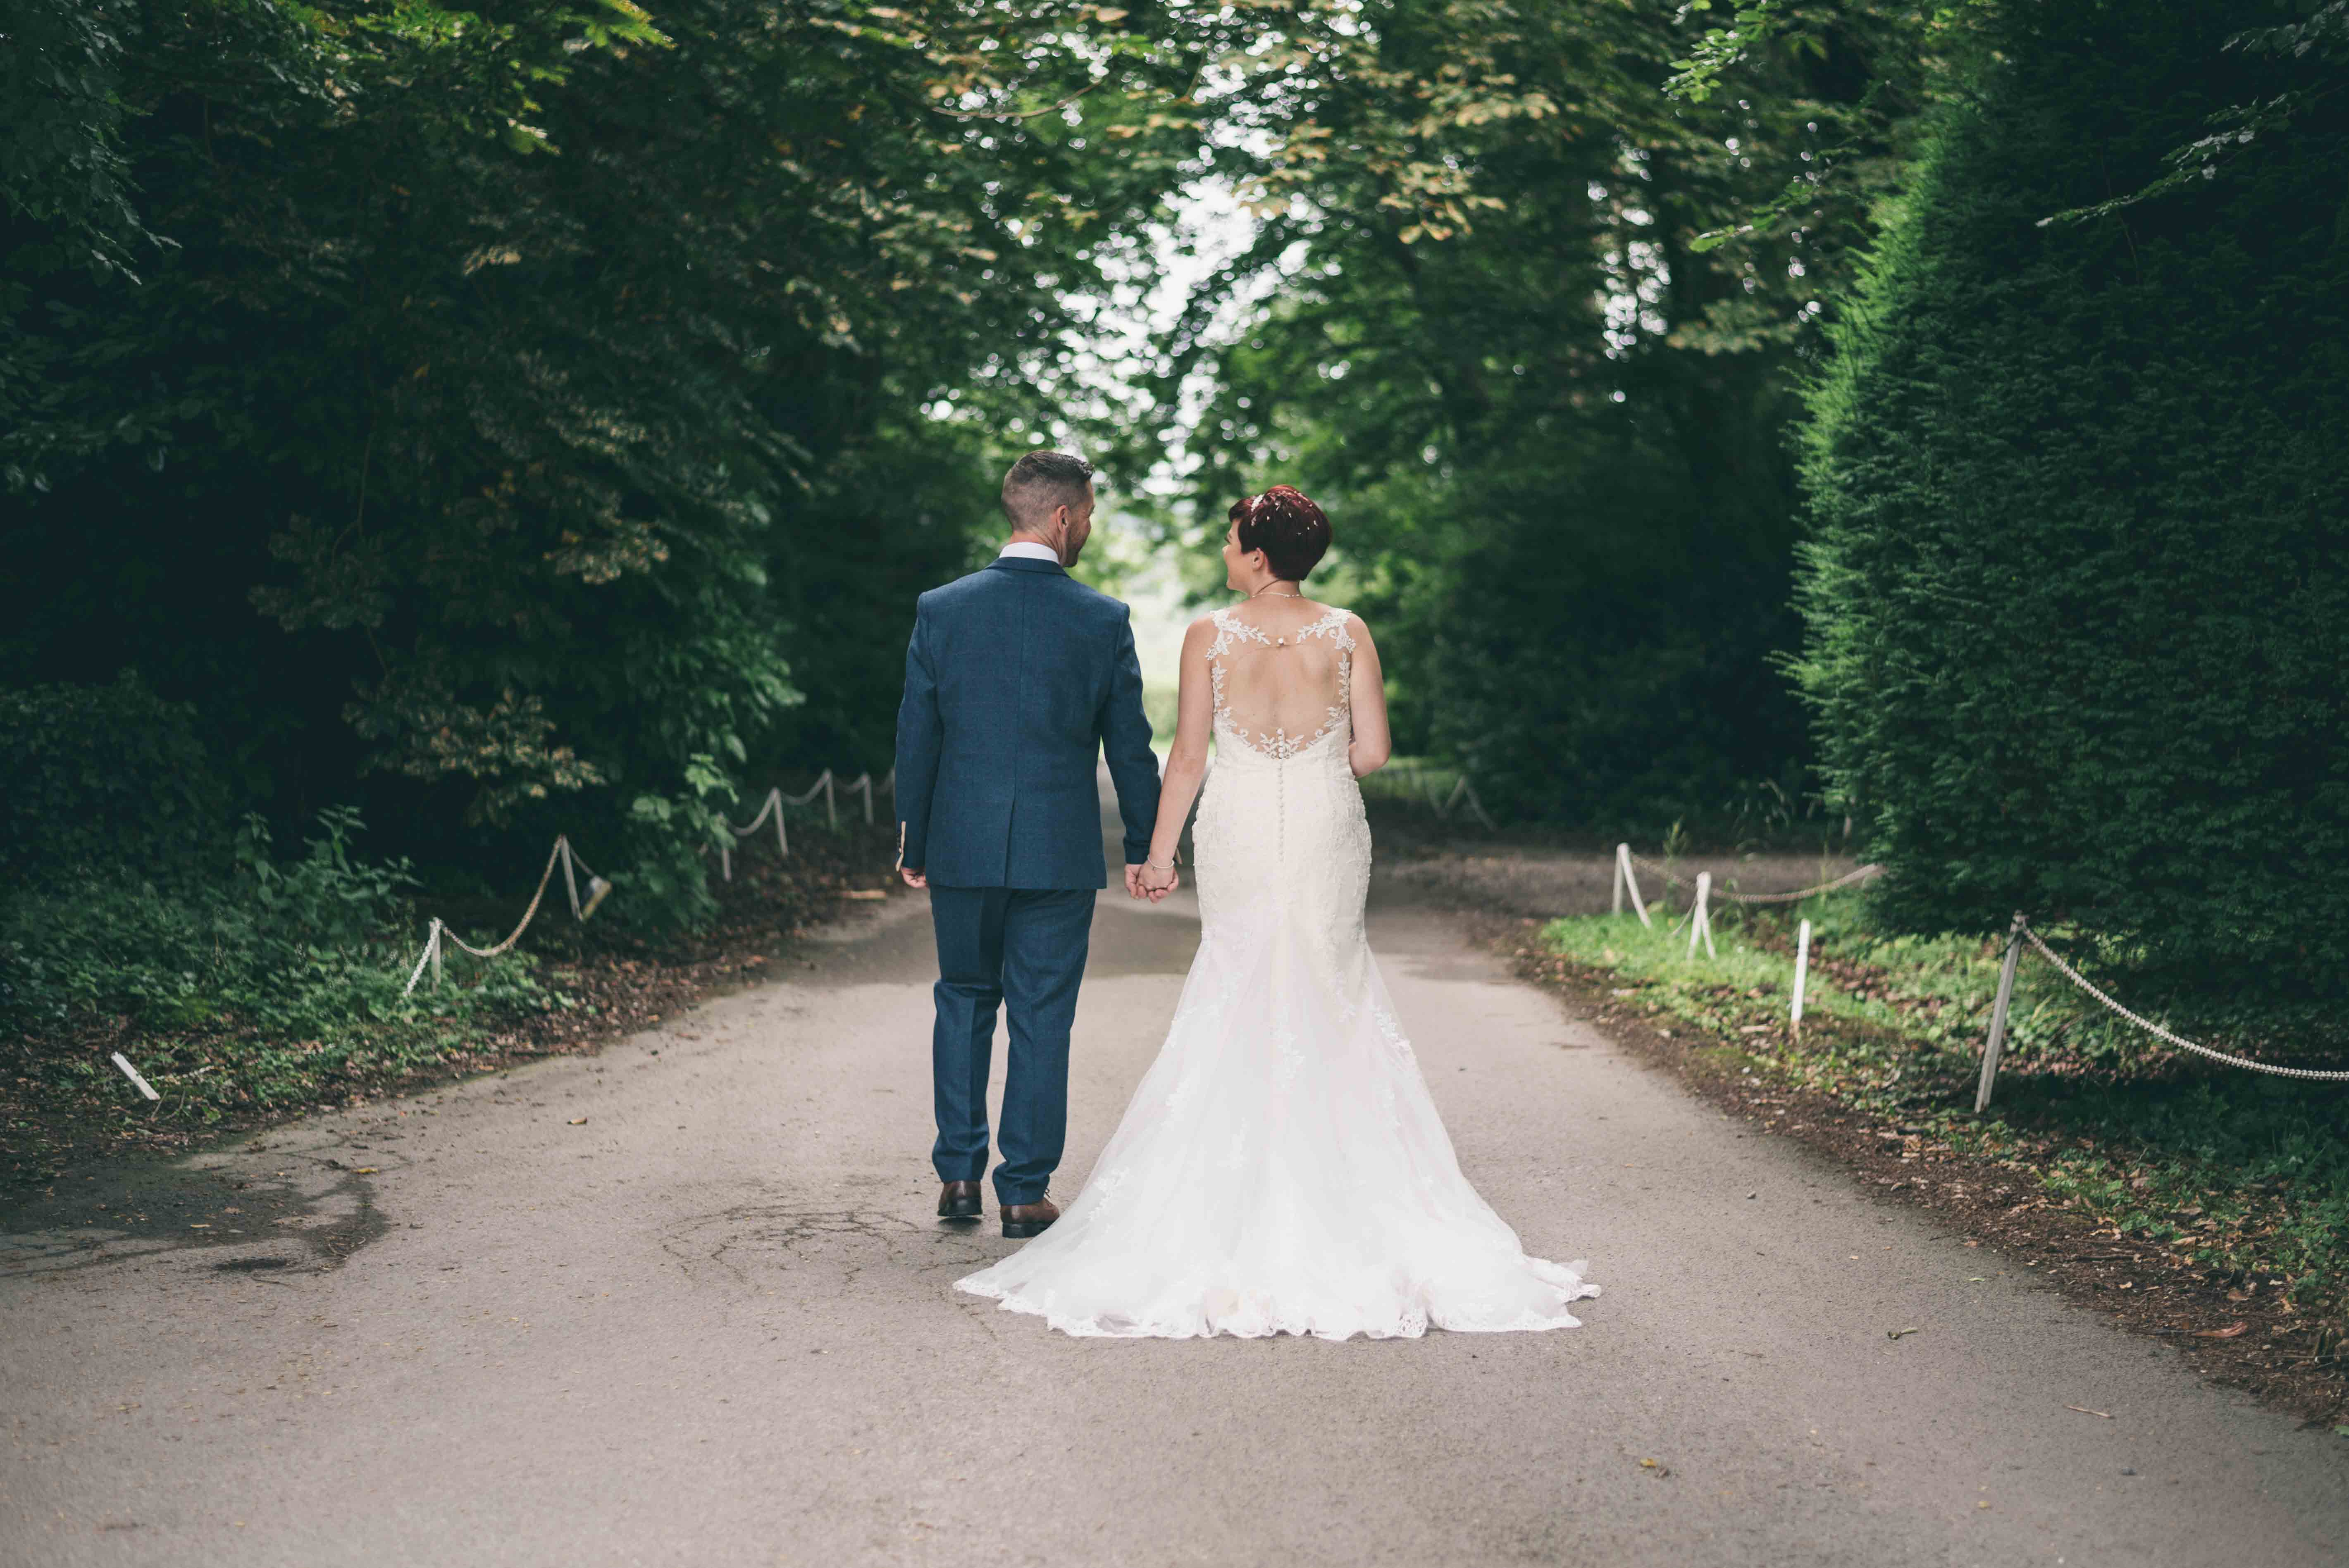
[[268, 987]]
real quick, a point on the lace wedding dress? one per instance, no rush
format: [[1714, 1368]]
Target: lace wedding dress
[[1281, 1168]]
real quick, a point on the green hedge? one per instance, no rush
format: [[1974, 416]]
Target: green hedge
[[2077, 607]]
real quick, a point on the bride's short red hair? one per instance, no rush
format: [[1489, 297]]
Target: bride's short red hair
[[1286, 526]]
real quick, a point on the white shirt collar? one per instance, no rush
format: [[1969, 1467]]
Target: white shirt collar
[[1024, 551]]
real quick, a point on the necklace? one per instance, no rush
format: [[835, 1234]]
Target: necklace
[[1268, 587]]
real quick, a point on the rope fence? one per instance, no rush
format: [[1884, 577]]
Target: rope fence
[[439, 936], [1626, 858], [2021, 933], [563, 855], [826, 785], [1626, 880], [1700, 919]]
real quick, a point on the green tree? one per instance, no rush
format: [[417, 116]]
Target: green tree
[[522, 403], [1546, 408]]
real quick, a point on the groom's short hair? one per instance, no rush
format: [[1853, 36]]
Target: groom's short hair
[[1041, 480]]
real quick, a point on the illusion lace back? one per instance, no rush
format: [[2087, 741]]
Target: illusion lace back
[[1281, 1168]]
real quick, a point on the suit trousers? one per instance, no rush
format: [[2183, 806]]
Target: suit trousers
[[1022, 949]]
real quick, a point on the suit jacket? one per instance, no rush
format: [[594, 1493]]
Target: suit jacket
[[1017, 679]]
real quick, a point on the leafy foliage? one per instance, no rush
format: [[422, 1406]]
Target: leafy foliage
[[2076, 613], [298, 962], [521, 393], [1547, 419]]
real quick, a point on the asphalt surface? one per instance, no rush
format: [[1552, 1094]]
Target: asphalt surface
[[683, 1303]]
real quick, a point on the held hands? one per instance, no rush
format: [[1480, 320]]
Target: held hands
[[1152, 883], [913, 878]]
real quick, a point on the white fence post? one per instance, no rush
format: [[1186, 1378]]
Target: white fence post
[[595, 891], [1625, 882], [1801, 971], [1701, 916], [1998, 1015], [132, 1074]]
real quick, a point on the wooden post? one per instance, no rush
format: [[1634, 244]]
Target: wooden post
[[433, 942], [1801, 971], [1998, 1015], [725, 863], [1617, 906], [830, 806]]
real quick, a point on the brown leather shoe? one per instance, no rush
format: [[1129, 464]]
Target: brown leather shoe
[[958, 1201], [1021, 1221]]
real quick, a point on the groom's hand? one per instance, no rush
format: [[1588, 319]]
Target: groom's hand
[[1133, 881], [913, 878]]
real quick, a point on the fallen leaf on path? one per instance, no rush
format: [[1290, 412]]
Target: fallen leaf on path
[[864, 893], [2083, 1409], [362, 1170], [2229, 1332], [578, 1121], [1896, 1333]]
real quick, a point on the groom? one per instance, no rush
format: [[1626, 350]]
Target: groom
[[1017, 678]]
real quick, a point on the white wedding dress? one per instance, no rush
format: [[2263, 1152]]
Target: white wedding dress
[[1281, 1168]]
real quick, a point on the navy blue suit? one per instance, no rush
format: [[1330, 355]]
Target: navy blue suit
[[1018, 679]]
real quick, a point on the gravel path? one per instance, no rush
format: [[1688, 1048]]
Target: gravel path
[[683, 1303]]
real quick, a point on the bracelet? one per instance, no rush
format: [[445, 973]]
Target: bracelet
[[1154, 866]]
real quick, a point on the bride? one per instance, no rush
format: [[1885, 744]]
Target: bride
[[1281, 1168]]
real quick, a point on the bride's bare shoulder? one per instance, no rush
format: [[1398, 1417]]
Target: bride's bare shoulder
[[1355, 625], [1200, 631]]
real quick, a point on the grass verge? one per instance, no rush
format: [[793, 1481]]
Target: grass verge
[[2206, 1204]]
